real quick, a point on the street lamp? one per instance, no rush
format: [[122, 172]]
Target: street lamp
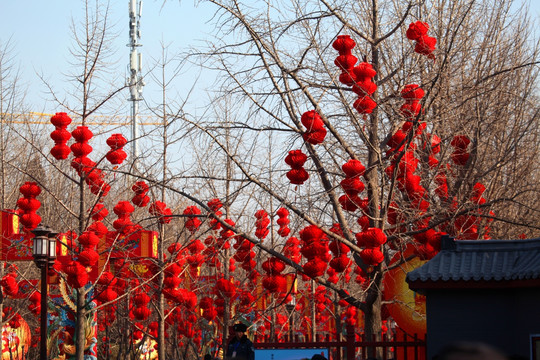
[[290, 309], [44, 253]]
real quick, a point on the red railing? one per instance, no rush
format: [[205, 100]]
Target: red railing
[[401, 346]]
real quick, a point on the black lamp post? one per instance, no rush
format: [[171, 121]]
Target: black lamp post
[[44, 253], [290, 309]]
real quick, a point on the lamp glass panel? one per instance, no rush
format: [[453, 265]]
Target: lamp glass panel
[[40, 246], [52, 248]]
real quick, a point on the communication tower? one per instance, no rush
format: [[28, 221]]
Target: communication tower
[[135, 81]]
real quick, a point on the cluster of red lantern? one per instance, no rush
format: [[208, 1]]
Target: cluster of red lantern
[[245, 301], [321, 300], [283, 222], [352, 185], [411, 109], [29, 205], [315, 130], [140, 308], [226, 234], [442, 185], [350, 315], [60, 136], [314, 248], [172, 279], [140, 199], [106, 294], [160, 210], [460, 155], [192, 223], [171, 291], [9, 284], [77, 274], [274, 281], [244, 253], [434, 148], [98, 213], [215, 205], [408, 181], [371, 241], [429, 243], [81, 148], [211, 252], [359, 76], [225, 288], [291, 249], [124, 225], [83, 165], [364, 87], [425, 45], [345, 61], [261, 224], [404, 162], [35, 303], [106, 289], [340, 261], [296, 160], [467, 226], [206, 304], [116, 155], [477, 193], [196, 259]]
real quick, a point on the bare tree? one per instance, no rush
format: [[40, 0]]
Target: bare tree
[[480, 82]]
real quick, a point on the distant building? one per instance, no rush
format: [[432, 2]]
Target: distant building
[[487, 291]]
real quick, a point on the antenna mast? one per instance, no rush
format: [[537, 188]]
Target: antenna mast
[[135, 81]]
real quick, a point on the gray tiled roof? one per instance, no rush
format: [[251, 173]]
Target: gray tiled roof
[[482, 260]]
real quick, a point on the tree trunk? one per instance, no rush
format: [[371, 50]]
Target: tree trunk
[[373, 321], [80, 338]]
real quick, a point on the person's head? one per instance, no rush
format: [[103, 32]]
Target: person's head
[[239, 329], [318, 357], [207, 357], [469, 351]]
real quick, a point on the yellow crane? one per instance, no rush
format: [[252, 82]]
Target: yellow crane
[[96, 120]]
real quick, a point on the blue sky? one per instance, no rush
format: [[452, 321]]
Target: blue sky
[[40, 36]]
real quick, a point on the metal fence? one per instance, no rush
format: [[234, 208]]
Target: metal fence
[[400, 346]]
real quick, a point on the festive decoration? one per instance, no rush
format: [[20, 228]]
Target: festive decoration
[[15, 340], [116, 155], [345, 61], [261, 225], [352, 185], [315, 130], [425, 45], [460, 155], [29, 205], [406, 307], [283, 222], [192, 223], [60, 136], [160, 210], [140, 188], [296, 160]]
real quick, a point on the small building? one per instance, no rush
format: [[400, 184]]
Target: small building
[[486, 291]]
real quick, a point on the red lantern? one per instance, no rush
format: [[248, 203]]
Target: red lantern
[[60, 120], [297, 176], [82, 134], [372, 256], [344, 44], [416, 30]]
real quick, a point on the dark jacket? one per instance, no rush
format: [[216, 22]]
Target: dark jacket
[[243, 348]]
